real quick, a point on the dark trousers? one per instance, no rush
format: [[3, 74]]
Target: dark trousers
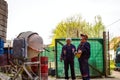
[[68, 63], [84, 68]]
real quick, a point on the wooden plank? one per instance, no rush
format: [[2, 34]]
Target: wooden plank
[[4, 76]]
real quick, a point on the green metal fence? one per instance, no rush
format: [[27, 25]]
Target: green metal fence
[[96, 61], [49, 52]]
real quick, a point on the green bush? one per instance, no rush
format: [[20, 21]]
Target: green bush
[[112, 64]]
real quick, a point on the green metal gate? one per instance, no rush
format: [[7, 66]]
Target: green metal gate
[[96, 61]]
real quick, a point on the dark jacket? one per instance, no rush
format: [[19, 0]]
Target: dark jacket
[[68, 52], [85, 48]]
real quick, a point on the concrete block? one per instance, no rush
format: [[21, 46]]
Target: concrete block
[[4, 13], [4, 38], [3, 7], [2, 28], [5, 18], [2, 23], [5, 24], [1, 17], [3, 34], [1, 1], [5, 3]]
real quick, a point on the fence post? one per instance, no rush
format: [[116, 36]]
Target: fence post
[[56, 58], [104, 51], [106, 54]]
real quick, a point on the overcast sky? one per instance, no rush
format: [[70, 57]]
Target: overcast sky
[[42, 16]]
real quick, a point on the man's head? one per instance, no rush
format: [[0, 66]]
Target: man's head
[[84, 37], [68, 41]]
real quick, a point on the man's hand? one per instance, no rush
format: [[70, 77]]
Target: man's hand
[[75, 52], [78, 54], [79, 51]]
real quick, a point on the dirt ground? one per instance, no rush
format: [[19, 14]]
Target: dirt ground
[[114, 76]]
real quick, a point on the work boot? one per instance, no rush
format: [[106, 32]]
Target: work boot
[[86, 78]]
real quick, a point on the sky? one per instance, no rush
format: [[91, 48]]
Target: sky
[[42, 16]]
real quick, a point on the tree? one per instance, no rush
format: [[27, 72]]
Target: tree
[[98, 28], [75, 25], [114, 43]]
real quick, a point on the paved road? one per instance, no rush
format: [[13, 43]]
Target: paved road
[[91, 79], [114, 76]]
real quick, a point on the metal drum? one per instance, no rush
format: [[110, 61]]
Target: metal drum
[[43, 67]]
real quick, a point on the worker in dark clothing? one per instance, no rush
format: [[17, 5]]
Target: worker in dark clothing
[[84, 50], [68, 56]]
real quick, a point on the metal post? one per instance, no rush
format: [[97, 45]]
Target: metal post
[[105, 54], [28, 73], [56, 57], [108, 54], [39, 66], [8, 54], [77, 34]]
